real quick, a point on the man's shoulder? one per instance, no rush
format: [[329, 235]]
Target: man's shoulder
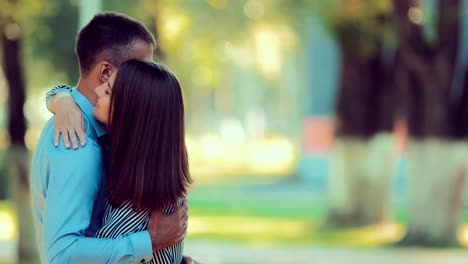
[[49, 161], [88, 152], [46, 139], [46, 145], [86, 161]]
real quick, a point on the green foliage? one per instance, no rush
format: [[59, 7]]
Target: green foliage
[[24, 16], [135, 9], [359, 25], [54, 40], [21, 10], [212, 44]]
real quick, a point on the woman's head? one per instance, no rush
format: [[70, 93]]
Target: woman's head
[[148, 158], [102, 107]]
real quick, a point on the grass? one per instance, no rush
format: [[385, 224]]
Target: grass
[[258, 216], [270, 219], [275, 215], [272, 216]]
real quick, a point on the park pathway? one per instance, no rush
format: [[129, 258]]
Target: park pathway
[[215, 252]]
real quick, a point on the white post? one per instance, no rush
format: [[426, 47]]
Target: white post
[[88, 8]]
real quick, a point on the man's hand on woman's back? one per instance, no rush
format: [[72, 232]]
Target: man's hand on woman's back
[[167, 230], [189, 260]]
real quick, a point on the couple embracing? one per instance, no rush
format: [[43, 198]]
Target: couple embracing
[[120, 196]]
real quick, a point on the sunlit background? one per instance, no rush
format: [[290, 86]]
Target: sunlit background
[[318, 131]]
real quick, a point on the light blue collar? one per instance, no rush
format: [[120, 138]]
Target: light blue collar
[[87, 109]]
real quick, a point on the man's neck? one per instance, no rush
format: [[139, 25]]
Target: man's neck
[[86, 87]]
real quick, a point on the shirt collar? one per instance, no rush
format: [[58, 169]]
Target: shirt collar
[[87, 109]]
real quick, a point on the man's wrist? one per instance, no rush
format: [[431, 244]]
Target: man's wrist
[[141, 245]]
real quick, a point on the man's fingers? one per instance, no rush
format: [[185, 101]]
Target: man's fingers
[[182, 211], [188, 260], [184, 219], [184, 205], [56, 137], [182, 237], [184, 227]]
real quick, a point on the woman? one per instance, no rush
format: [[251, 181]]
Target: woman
[[143, 108]]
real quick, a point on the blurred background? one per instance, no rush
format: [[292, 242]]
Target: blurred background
[[318, 131]]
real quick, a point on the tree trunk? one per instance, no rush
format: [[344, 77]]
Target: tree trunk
[[435, 154], [362, 159], [19, 182], [436, 178], [359, 184], [17, 152]]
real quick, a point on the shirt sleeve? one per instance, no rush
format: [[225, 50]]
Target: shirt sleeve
[[73, 185], [54, 91]]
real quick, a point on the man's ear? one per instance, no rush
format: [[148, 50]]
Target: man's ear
[[105, 71]]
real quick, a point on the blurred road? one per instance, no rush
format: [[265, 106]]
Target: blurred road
[[226, 253], [219, 252]]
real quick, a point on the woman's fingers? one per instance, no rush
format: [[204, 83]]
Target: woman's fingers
[[56, 137], [72, 135], [183, 209], [81, 132], [69, 122], [82, 138], [65, 139]]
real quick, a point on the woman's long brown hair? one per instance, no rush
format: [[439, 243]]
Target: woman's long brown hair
[[148, 157]]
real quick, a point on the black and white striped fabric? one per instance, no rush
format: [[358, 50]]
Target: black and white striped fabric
[[125, 220]]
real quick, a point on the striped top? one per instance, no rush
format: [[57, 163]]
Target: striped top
[[125, 220]]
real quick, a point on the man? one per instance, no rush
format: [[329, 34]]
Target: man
[[67, 187]]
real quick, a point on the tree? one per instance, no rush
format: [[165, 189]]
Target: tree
[[13, 30], [363, 156], [18, 156], [54, 40], [436, 115], [17, 153], [210, 44]]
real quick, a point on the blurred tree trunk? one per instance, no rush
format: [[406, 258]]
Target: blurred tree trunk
[[437, 153], [360, 180], [18, 155], [363, 157]]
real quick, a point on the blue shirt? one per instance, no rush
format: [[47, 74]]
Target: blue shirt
[[67, 200]]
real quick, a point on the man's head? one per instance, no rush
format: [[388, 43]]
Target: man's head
[[107, 41]]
